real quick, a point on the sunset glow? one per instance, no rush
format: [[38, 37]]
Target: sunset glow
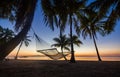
[[108, 45]]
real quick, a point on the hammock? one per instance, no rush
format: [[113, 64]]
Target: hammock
[[44, 48], [53, 53]]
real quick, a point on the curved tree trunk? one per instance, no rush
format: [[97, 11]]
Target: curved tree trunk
[[72, 60], [96, 48], [18, 50], [7, 48]]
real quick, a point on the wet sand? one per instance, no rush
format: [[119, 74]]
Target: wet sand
[[45, 68]]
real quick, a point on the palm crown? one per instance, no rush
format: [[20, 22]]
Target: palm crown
[[62, 42]]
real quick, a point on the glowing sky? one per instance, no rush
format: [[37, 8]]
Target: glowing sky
[[108, 45]]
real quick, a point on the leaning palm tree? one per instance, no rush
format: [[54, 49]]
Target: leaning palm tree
[[24, 13], [91, 24], [67, 11], [26, 41], [62, 42]]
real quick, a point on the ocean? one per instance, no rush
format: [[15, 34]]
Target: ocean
[[76, 58]]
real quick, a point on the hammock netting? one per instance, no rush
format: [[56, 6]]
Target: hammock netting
[[44, 48], [53, 53]]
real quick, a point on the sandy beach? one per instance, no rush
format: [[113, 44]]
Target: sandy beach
[[45, 68]]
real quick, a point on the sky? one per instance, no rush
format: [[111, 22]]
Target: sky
[[108, 45]]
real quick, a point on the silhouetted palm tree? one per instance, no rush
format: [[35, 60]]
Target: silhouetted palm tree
[[67, 11], [76, 40], [26, 41], [91, 24], [24, 13], [50, 12], [62, 41], [73, 8], [110, 8]]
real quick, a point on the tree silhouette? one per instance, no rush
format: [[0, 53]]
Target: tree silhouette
[[67, 11], [5, 35], [26, 41], [110, 8], [62, 41], [91, 24], [24, 13]]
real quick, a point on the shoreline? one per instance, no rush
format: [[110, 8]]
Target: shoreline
[[77, 58]]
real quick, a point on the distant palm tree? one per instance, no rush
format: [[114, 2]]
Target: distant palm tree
[[26, 41], [76, 40], [62, 42]]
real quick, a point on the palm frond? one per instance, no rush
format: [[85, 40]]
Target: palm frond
[[117, 9], [67, 48], [7, 9], [57, 40], [55, 45], [110, 23]]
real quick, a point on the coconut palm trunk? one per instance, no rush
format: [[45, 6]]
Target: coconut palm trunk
[[18, 50], [72, 60], [61, 43], [96, 48], [9, 46]]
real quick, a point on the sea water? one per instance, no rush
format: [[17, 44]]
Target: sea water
[[76, 58]]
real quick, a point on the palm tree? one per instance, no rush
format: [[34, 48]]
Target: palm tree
[[91, 24], [110, 8], [6, 9], [73, 16], [62, 42], [76, 40], [24, 13], [5, 35], [67, 11], [26, 41]]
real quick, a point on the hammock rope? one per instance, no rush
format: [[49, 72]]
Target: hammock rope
[[53, 53], [44, 48]]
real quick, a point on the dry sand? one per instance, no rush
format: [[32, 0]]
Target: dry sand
[[37, 68]]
